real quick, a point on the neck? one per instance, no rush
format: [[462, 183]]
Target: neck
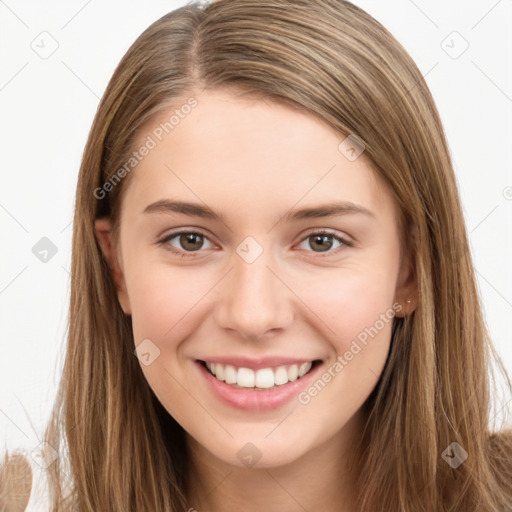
[[324, 478]]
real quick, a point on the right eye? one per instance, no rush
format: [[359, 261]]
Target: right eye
[[190, 242]]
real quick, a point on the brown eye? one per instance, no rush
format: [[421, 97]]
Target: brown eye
[[323, 242], [187, 242], [191, 241]]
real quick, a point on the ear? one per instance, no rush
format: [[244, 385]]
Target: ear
[[407, 287], [104, 236]]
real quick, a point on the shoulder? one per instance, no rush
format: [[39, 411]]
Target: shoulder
[[39, 500], [15, 481], [22, 484]]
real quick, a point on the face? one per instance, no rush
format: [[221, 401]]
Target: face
[[281, 275]]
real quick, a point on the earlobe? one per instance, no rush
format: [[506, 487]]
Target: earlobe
[[407, 288], [103, 233]]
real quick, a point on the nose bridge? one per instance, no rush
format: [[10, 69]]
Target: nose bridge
[[253, 300]]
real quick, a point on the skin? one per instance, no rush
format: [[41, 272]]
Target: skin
[[254, 160]]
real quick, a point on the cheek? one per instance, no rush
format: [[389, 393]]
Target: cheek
[[165, 303], [162, 298], [349, 300], [355, 306]]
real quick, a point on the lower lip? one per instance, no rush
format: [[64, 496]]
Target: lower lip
[[257, 400]]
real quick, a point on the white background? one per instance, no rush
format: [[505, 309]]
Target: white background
[[47, 107]]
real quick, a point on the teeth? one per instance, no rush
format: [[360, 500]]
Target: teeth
[[304, 368], [230, 374], [293, 372], [219, 371], [281, 376], [264, 378], [245, 377]]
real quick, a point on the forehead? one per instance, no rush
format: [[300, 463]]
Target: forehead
[[232, 150]]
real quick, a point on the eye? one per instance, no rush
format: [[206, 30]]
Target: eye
[[189, 242], [321, 240]]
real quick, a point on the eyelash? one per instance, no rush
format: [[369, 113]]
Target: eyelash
[[191, 254]]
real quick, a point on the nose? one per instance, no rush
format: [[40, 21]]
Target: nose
[[253, 300]]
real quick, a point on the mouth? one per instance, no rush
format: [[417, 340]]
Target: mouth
[[261, 379], [257, 386]]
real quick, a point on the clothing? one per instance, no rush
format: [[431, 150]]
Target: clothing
[[39, 497]]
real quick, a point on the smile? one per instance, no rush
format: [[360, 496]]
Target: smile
[[267, 385], [263, 378]]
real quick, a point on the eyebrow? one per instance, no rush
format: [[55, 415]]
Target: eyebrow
[[314, 212]]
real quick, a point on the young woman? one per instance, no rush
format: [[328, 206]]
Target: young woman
[[273, 304]]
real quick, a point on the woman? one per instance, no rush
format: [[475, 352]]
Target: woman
[[264, 368]]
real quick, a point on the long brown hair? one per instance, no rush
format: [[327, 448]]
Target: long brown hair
[[119, 449]]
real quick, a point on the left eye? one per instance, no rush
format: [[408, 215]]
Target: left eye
[[192, 241], [321, 239]]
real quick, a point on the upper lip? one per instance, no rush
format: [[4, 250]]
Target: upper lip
[[257, 363]]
